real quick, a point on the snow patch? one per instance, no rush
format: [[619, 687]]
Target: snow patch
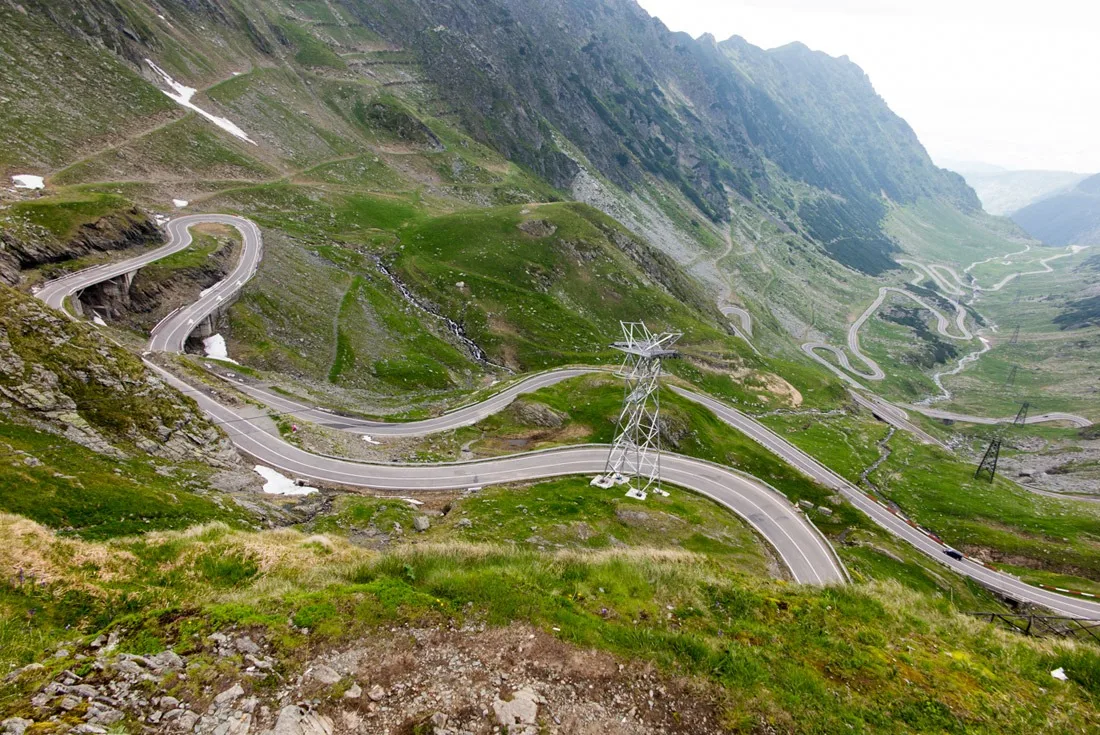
[[277, 484], [180, 203], [369, 440], [26, 181], [98, 321], [1059, 674], [182, 94], [216, 349]]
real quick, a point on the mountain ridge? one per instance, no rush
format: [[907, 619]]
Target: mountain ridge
[[1068, 218]]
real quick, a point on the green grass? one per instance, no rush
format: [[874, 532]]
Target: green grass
[[938, 490], [190, 146], [564, 514], [865, 658], [204, 245], [66, 211], [86, 494], [345, 353], [311, 50], [537, 301], [935, 232]]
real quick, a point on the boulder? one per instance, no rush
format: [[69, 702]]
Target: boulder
[[323, 675], [293, 720]]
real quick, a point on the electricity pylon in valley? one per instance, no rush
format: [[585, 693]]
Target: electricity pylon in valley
[[988, 466], [635, 456]]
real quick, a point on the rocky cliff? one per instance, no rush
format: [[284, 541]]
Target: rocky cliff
[[64, 377], [25, 242], [711, 119]]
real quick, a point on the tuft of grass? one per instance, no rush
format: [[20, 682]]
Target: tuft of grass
[[873, 657]]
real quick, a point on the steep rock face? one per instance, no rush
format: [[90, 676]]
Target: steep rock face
[[637, 99], [29, 244], [155, 291], [65, 376]]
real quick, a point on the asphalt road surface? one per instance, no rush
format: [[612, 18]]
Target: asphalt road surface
[[801, 547], [172, 332], [806, 553], [465, 416]]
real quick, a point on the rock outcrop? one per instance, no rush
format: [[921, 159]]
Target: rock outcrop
[[65, 376], [27, 245]]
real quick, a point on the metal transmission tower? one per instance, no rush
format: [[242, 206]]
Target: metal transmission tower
[[1016, 336], [636, 452], [988, 466], [1012, 375]]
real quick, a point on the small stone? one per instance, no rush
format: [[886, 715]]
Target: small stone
[[245, 644], [169, 703], [324, 675], [28, 669], [88, 728], [377, 693], [465, 523], [166, 660], [421, 523], [84, 691], [126, 666], [522, 710], [228, 696], [354, 692], [69, 702], [294, 720], [15, 725], [188, 720], [105, 716]]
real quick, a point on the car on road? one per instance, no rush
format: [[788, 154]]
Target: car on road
[[956, 555]]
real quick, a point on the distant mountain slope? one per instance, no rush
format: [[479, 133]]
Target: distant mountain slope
[[1071, 218], [1005, 192], [709, 118]]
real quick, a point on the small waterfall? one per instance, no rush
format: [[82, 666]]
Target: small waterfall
[[454, 327]]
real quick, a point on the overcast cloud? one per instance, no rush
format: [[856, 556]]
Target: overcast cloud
[[1006, 82]]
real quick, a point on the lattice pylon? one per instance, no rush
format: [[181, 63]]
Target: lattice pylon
[[988, 466], [635, 456]]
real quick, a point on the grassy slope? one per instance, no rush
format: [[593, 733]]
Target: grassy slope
[[1056, 366], [872, 658], [1002, 521], [538, 301], [62, 485]]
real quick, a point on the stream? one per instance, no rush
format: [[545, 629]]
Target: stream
[[452, 326]]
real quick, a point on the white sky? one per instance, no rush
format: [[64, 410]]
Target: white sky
[[1009, 82]]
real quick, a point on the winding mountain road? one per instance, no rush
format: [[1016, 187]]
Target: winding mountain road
[[802, 548], [844, 369], [943, 326], [464, 416]]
